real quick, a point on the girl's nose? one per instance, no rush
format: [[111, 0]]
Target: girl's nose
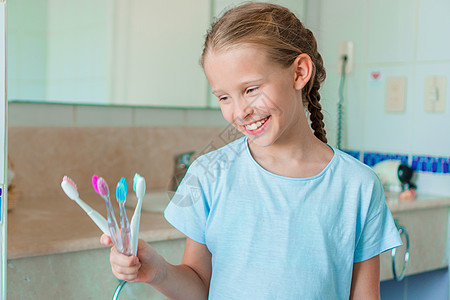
[[242, 111]]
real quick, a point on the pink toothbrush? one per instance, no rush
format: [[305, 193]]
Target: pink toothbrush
[[101, 188], [70, 188]]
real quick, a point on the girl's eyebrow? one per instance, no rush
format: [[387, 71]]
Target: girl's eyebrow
[[251, 80], [215, 92], [245, 82]]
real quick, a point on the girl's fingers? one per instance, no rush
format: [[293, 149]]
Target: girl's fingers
[[120, 259], [125, 271], [129, 278], [124, 267], [120, 276], [105, 240]]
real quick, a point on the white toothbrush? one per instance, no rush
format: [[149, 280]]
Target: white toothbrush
[[69, 187], [139, 188]]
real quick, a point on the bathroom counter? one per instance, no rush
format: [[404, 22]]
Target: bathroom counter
[[48, 237], [420, 202], [425, 221], [58, 225]]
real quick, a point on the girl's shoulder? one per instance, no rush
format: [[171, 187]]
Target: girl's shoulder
[[353, 168], [218, 158]]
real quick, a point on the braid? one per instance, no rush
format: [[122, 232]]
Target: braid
[[316, 115], [312, 94]]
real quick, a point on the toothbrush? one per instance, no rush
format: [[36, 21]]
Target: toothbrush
[[101, 188], [121, 195], [139, 188], [70, 188]]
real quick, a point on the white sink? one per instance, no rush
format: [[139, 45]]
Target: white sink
[[155, 201]]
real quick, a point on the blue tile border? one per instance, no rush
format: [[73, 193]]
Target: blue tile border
[[431, 164], [372, 158], [419, 163], [355, 154]]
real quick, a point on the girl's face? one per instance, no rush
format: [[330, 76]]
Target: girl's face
[[258, 97]]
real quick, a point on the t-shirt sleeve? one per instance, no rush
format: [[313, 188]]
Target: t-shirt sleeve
[[188, 209], [379, 232]]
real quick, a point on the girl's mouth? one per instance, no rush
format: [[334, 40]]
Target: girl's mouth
[[257, 127]]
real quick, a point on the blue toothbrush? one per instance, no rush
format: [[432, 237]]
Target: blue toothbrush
[[121, 195]]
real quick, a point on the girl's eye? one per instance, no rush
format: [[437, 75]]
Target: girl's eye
[[251, 90]]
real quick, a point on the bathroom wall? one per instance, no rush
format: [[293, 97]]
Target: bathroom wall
[[52, 140], [395, 38], [401, 38], [65, 115]]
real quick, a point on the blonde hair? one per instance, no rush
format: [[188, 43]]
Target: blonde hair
[[281, 34]]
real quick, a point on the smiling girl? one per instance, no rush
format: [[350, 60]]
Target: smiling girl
[[278, 213]]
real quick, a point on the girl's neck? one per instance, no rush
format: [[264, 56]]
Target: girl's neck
[[298, 148], [305, 156]]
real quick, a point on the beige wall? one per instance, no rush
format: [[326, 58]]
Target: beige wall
[[66, 115], [48, 141]]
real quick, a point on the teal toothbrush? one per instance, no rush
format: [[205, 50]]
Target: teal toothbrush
[[121, 195]]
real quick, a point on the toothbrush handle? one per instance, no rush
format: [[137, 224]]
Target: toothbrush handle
[[113, 227], [125, 230], [98, 219], [126, 240], [115, 237], [134, 227], [123, 217]]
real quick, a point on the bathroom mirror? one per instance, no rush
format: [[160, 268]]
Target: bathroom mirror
[[103, 52], [134, 52]]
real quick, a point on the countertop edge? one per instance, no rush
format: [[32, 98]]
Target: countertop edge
[[154, 228], [154, 235], [421, 202]]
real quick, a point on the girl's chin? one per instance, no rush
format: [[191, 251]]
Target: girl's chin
[[259, 141]]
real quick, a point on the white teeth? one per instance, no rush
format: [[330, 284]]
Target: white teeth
[[251, 127], [255, 125]]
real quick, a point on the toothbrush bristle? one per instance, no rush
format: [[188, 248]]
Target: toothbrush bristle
[[120, 193], [70, 181], [121, 190], [95, 183], [140, 187], [135, 180], [102, 186], [125, 185]]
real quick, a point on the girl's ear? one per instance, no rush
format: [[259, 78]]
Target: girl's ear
[[303, 70]]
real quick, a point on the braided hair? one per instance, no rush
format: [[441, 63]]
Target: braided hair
[[283, 36]]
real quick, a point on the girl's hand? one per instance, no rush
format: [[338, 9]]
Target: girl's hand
[[141, 268]]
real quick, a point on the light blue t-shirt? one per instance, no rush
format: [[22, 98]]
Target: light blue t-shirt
[[275, 237]]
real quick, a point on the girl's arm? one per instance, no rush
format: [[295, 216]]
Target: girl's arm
[[366, 280], [189, 280]]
